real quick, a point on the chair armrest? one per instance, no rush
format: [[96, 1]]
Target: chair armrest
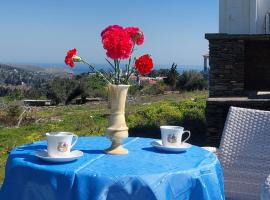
[[265, 189]]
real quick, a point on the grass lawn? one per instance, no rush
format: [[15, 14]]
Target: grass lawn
[[88, 119]]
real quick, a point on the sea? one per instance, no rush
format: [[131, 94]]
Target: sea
[[82, 68]]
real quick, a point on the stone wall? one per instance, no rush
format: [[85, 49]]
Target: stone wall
[[226, 62], [228, 59]]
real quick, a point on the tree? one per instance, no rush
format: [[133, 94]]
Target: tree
[[59, 89], [64, 90], [172, 77]]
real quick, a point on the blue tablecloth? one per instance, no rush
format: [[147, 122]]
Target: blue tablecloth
[[142, 174]]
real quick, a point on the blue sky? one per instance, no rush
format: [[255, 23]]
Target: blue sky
[[35, 31]]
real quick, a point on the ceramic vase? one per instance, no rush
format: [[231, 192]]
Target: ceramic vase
[[117, 130]]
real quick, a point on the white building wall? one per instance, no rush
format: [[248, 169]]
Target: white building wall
[[222, 16], [235, 16], [243, 16], [263, 8], [253, 16]]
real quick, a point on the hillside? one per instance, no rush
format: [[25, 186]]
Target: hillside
[[31, 68], [10, 75], [56, 71], [27, 74]]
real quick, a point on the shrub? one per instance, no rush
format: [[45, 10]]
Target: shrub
[[192, 80], [9, 116], [94, 86], [162, 113], [192, 104], [135, 89], [159, 114], [14, 110], [16, 94], [155, 89], [190, 114], [35, 93]]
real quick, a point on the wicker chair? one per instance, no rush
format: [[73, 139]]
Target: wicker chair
[[245, 153]]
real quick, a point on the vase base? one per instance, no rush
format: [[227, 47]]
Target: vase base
[[117, 151]]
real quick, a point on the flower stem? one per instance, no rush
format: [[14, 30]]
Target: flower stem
[[129, 71], [117, 71], [93, 68]]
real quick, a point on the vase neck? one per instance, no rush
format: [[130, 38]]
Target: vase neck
[[117, 97]]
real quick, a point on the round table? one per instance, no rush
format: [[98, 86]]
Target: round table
[[144, 173]]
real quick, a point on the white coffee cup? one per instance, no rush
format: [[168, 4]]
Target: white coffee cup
[[60, 143], [172, 135]]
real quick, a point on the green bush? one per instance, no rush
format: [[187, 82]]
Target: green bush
[[192, 80], [135, 89], [94, 86], [155, 89], [159, 114], [14, 110], [198, 104], [9, 116], [189, 114], [16, 94]]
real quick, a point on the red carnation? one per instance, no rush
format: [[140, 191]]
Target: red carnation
[[117, 42], [110, 28], [144, 64], [69, 57], [136, 35]]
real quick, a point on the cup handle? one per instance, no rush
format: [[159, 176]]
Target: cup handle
[[189, 134], [74, 141]]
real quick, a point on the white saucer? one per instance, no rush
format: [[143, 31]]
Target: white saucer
[[43, 154], [180, 148]]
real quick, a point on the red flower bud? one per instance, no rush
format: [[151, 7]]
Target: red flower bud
[[136, 35], [69, 57], [144, 64]]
